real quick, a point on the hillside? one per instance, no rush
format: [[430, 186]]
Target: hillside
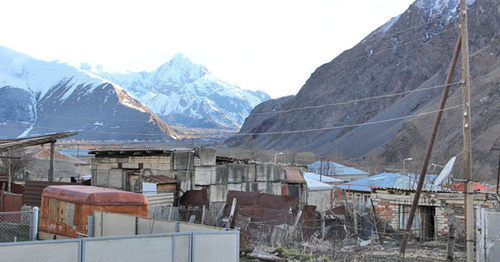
[[377, 99]]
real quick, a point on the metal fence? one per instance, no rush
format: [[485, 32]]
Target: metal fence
[[488, 235], [220, 246], [18, 226]]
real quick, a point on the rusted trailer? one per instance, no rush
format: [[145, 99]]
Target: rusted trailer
[[65, 210]]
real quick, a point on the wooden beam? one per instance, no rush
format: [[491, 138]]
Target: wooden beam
[[33, 141]]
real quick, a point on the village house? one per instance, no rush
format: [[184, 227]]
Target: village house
[[436, 210], [359, 192]]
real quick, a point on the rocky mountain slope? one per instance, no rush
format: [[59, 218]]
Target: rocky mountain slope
[[189, 94], [377, 99], [41, 97]]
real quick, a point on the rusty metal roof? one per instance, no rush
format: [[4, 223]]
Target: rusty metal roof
[[161, 179], [293, 175], [98, 196]]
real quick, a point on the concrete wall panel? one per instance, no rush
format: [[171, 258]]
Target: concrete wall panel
[[116, 178]]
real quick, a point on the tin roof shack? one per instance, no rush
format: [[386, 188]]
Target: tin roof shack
[[319, 194], [436, 210], [65, 209]]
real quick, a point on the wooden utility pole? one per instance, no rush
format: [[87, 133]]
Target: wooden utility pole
[[428, 153], [52, 162], [466, 115]]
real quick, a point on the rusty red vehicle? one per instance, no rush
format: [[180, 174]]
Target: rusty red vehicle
[[65, 209]]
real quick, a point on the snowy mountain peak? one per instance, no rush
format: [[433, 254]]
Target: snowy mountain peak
[[176, 73], [435, 9]]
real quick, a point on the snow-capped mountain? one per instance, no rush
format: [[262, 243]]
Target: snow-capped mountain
[[44, 97], [181, 87]]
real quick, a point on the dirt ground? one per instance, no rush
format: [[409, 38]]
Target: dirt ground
[[318, 250]]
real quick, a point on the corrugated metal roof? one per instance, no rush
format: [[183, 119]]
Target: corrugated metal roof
[[392, 180], [293, 175], [336, 169], [102, 150], [325, 179], [314, 185]]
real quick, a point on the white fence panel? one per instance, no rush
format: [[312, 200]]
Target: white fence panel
[[182, 247], [226, 249], [138, 248], [41, 251], [152, 226], [190, 227], [113, 224]]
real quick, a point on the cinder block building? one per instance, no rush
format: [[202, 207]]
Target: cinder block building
[[193, 168]]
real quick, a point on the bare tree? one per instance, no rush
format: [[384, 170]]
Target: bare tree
[[18, 166]]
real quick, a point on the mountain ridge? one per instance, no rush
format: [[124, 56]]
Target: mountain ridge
[[394, 73]]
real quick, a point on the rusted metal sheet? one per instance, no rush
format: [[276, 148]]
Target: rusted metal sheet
[[161, 180], [90, 195], [14, 188], [266, 208], [32, 195], [10, 202], [293, 175], [194, 198], [277, 201], [243, 198]]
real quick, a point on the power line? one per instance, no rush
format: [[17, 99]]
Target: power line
[[353, 101], [270, 133], [347, 126]]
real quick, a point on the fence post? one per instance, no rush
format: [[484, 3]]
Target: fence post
[[90, 226], [34, 225]]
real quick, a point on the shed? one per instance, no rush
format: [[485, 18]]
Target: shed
[[65, 209], [319, 194]]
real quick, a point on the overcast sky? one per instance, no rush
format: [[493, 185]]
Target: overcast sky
[[269, 45]]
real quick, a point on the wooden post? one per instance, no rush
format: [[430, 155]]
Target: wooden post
[[355, 215], [52, 162], [430, 146], [375, 220], [297, 218], [466, 115], [322, 225], [203, 215], [231, 215], [9, 172], [451, 244]]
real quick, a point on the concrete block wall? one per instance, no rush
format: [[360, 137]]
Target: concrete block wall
[[109, 171]]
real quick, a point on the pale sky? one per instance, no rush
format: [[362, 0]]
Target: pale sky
[[269, 45]]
